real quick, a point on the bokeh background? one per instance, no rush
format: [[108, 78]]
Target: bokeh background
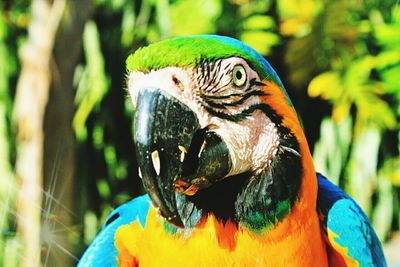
[[66, 146]]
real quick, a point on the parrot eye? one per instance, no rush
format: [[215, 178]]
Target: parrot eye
[[239, 75]]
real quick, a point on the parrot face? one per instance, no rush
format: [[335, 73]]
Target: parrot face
[[207, 140], [219, 101]]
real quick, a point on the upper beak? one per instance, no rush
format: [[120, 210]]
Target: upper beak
[[174, 154]]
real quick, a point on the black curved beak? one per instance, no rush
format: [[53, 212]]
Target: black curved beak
[[174, 154]]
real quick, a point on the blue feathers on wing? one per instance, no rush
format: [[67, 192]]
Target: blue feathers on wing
[[102, 251], [342, 216]]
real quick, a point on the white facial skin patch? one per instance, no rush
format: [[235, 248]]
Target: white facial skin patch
[[253, 141]]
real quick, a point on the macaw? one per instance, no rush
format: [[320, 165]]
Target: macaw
[[227, 168]]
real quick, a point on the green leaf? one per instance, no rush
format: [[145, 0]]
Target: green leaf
[[383, 212], [372, 109], [391, 169], [110, 155], [90, 224], [387, 58], [94, 82], [259, 22], [262, 41], [128, 26], [122, 198], [8, 186], [358, 73], [390, 77], [103, 188], [361, 172], [326, 85], [194, 16], [12, 249], [330, 152], [388, 35], [163, 18], [98, 136]]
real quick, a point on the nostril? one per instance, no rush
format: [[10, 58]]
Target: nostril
[[177, 82], [191, 162]]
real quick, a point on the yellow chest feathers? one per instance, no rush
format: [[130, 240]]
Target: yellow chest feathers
[[214, 244]]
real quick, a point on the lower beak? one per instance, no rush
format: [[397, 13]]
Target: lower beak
[[174, 154]]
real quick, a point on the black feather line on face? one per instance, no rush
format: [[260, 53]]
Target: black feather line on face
[[212, 105], [231, 117], [245, 97], [212, 97], [229, 101], [209, 76], [216, 88], [207, 71], [246, 113], [215, 71], [254, 82]]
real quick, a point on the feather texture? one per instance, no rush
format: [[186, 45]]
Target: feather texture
[[102, 251], [348, 232], [216, 244]]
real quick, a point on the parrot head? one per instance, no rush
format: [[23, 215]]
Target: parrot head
[[215, 132]]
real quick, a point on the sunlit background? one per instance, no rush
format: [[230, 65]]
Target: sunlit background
[[66, 146]]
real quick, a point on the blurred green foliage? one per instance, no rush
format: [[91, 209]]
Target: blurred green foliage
[[10, 39], [364, 94], [339, 60]]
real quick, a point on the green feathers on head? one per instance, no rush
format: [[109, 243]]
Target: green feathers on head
[[190, 51]]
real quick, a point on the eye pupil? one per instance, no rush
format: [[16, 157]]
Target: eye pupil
[[238, 75]]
